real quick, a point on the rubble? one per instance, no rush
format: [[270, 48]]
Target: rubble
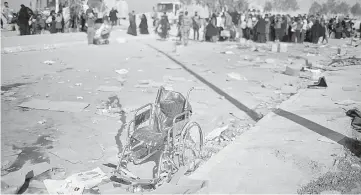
[[109, 88]]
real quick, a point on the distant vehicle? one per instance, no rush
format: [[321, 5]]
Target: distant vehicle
[[172, 8]]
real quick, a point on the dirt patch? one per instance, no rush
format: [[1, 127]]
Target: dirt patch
[[346, 179]]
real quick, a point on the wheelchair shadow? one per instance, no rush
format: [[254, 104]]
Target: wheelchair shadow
[[353, 145], [123, 119]]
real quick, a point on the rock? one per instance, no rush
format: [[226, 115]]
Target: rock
[[288, 90], [216, 133], [49, 62], [283, 48], [325, 139], [274, 47], [292, 71], [348, 88], [122, 71], [109, 88], [236, 76], [270, 61]]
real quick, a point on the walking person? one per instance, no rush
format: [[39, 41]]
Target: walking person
[[186, 26], [164, 26], [132, 29], [23, 20], [90, 20], [143, 26], [196, 26], [113, 16]]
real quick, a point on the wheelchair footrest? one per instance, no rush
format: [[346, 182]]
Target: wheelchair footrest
[[127, 176]]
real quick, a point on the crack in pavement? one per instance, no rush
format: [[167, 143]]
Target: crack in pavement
[[251, 113]]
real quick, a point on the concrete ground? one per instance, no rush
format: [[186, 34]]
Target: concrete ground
[[237, 85]]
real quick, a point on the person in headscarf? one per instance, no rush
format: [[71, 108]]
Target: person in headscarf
[[267, 27], [316, 31], [143, 26], [132, 29], [261, 30], [338, 30], [164, 26], [180, 19], [325, 31], [211, 30], [23, 20], [113, 16]]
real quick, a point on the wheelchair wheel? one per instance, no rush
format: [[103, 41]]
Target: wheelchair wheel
[[191, 146]]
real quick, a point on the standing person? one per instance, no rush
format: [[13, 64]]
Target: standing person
[[304, 30], [299, 26], [180, 19], [196, 26], [23, 20], [186, 26], [132, 29], [90, 20], [278, 28], [155, 17], [113, 16], [293, 30], [211, 31], [325, 31], [143, 26], [316, 32], [249, 27], [261, 30], [82, 21], [7, 13], [59, 20], [339, 29], [164, 26], [268, 27]]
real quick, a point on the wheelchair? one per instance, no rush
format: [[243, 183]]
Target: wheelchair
[[165, 132]]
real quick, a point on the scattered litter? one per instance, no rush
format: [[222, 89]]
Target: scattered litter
[[75, 184], [122, 71], [60, 106], [348, 102], [140, 70], [270, 61], [325, 139], [227, 52], [109, 88], [177, 79], [42, 122], [79, 98], [144, 82], [173, 68], [49, 62], [67, 154], [62, 187], [236, 76], [61, 82], [288, 90], [78, 84]]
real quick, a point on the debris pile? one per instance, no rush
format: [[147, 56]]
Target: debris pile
[[111, 107], [351, 61]]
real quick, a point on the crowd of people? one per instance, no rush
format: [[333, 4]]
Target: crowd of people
[[258, 27]]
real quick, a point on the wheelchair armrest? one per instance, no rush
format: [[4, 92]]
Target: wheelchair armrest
[[187, 112]]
